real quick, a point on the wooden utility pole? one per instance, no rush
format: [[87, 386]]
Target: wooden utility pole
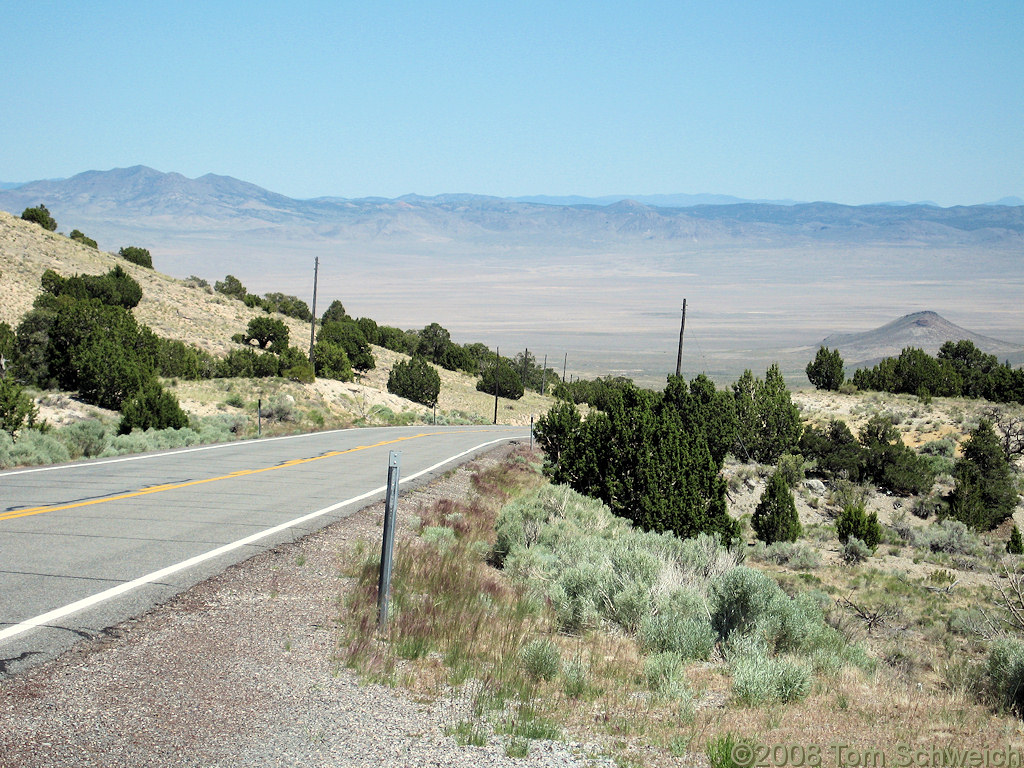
[[497, 362], [312, 323], [564, 363], [526, 359], [679, 356], [544, 380]]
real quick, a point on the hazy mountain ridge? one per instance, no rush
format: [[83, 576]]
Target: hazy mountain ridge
[[104, 200]]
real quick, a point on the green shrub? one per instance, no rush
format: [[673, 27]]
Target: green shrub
[[6, 444], [280, 408], [855, 521], [929, 506], [415, 380], [985, 493], [116, 288], [35, 447], [739, 598], [891, 463], [768, 422], [84, 438], [759, 679], [503, 379], [791, 467], [855, 551], [267, 332], [685, 636], [1006, 674], [836, 453], [41, 216], [301, 371], [943, 447], [721, 752], [17, 407], [331, 362], [663, 674], [797, 556], [775, 518], [826, 370], [576, 596], [575, 679], [151, 407], [1015, 546], [81, 237], [349, 337], [335, 313], [949, 536], [231, 286], [139, 256], [540, 659], [290, 306]]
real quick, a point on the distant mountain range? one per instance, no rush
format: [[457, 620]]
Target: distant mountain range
[[126, 200], [677, 200], [598, 278], [925, 330]]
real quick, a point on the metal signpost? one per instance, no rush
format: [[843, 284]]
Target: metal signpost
[[388, 545]]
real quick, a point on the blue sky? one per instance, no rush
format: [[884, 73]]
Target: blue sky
[[853, 102]]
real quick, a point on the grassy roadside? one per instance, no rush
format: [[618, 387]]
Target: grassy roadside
[[463, 628]]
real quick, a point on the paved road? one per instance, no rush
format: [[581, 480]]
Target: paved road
[[84, 546]]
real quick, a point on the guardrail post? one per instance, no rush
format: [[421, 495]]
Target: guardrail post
[[388, 544]]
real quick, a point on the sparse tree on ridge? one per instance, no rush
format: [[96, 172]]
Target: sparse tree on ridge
[[826, 370], [41, 216]]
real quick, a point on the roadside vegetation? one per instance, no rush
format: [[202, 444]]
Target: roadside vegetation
[[80, 345], [699, 568], [549, 617]]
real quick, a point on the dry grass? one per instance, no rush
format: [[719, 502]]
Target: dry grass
[[459, 626], [175, 309]]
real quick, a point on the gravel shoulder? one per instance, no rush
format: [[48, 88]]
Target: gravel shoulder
[[242, 670]]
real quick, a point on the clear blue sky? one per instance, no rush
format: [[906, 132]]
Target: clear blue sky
[[853, 102]]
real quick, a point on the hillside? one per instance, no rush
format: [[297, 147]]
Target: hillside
[[176, 309], [924, 330], [597, 283]]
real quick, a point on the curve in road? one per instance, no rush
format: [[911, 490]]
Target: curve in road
[[87, 545]]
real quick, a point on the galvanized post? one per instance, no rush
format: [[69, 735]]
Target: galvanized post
[[388, 545], [259, 417]]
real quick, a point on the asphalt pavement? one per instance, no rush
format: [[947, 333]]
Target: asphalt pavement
[[87, 545]]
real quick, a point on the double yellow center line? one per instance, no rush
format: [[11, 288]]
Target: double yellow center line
[[175, 486]]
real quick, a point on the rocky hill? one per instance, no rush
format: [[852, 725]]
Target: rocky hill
[[924, 330]]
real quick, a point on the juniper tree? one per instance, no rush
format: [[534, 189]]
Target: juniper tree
[[826, 370], [775, 518], [984, 494]]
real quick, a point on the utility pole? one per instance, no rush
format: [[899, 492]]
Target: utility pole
[[545, 379], [497, 362], [679, 356], [526, 359], [312, 323], [564, 363]]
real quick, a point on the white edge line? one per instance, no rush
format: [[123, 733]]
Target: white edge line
[[120, 589], [173, 452]]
